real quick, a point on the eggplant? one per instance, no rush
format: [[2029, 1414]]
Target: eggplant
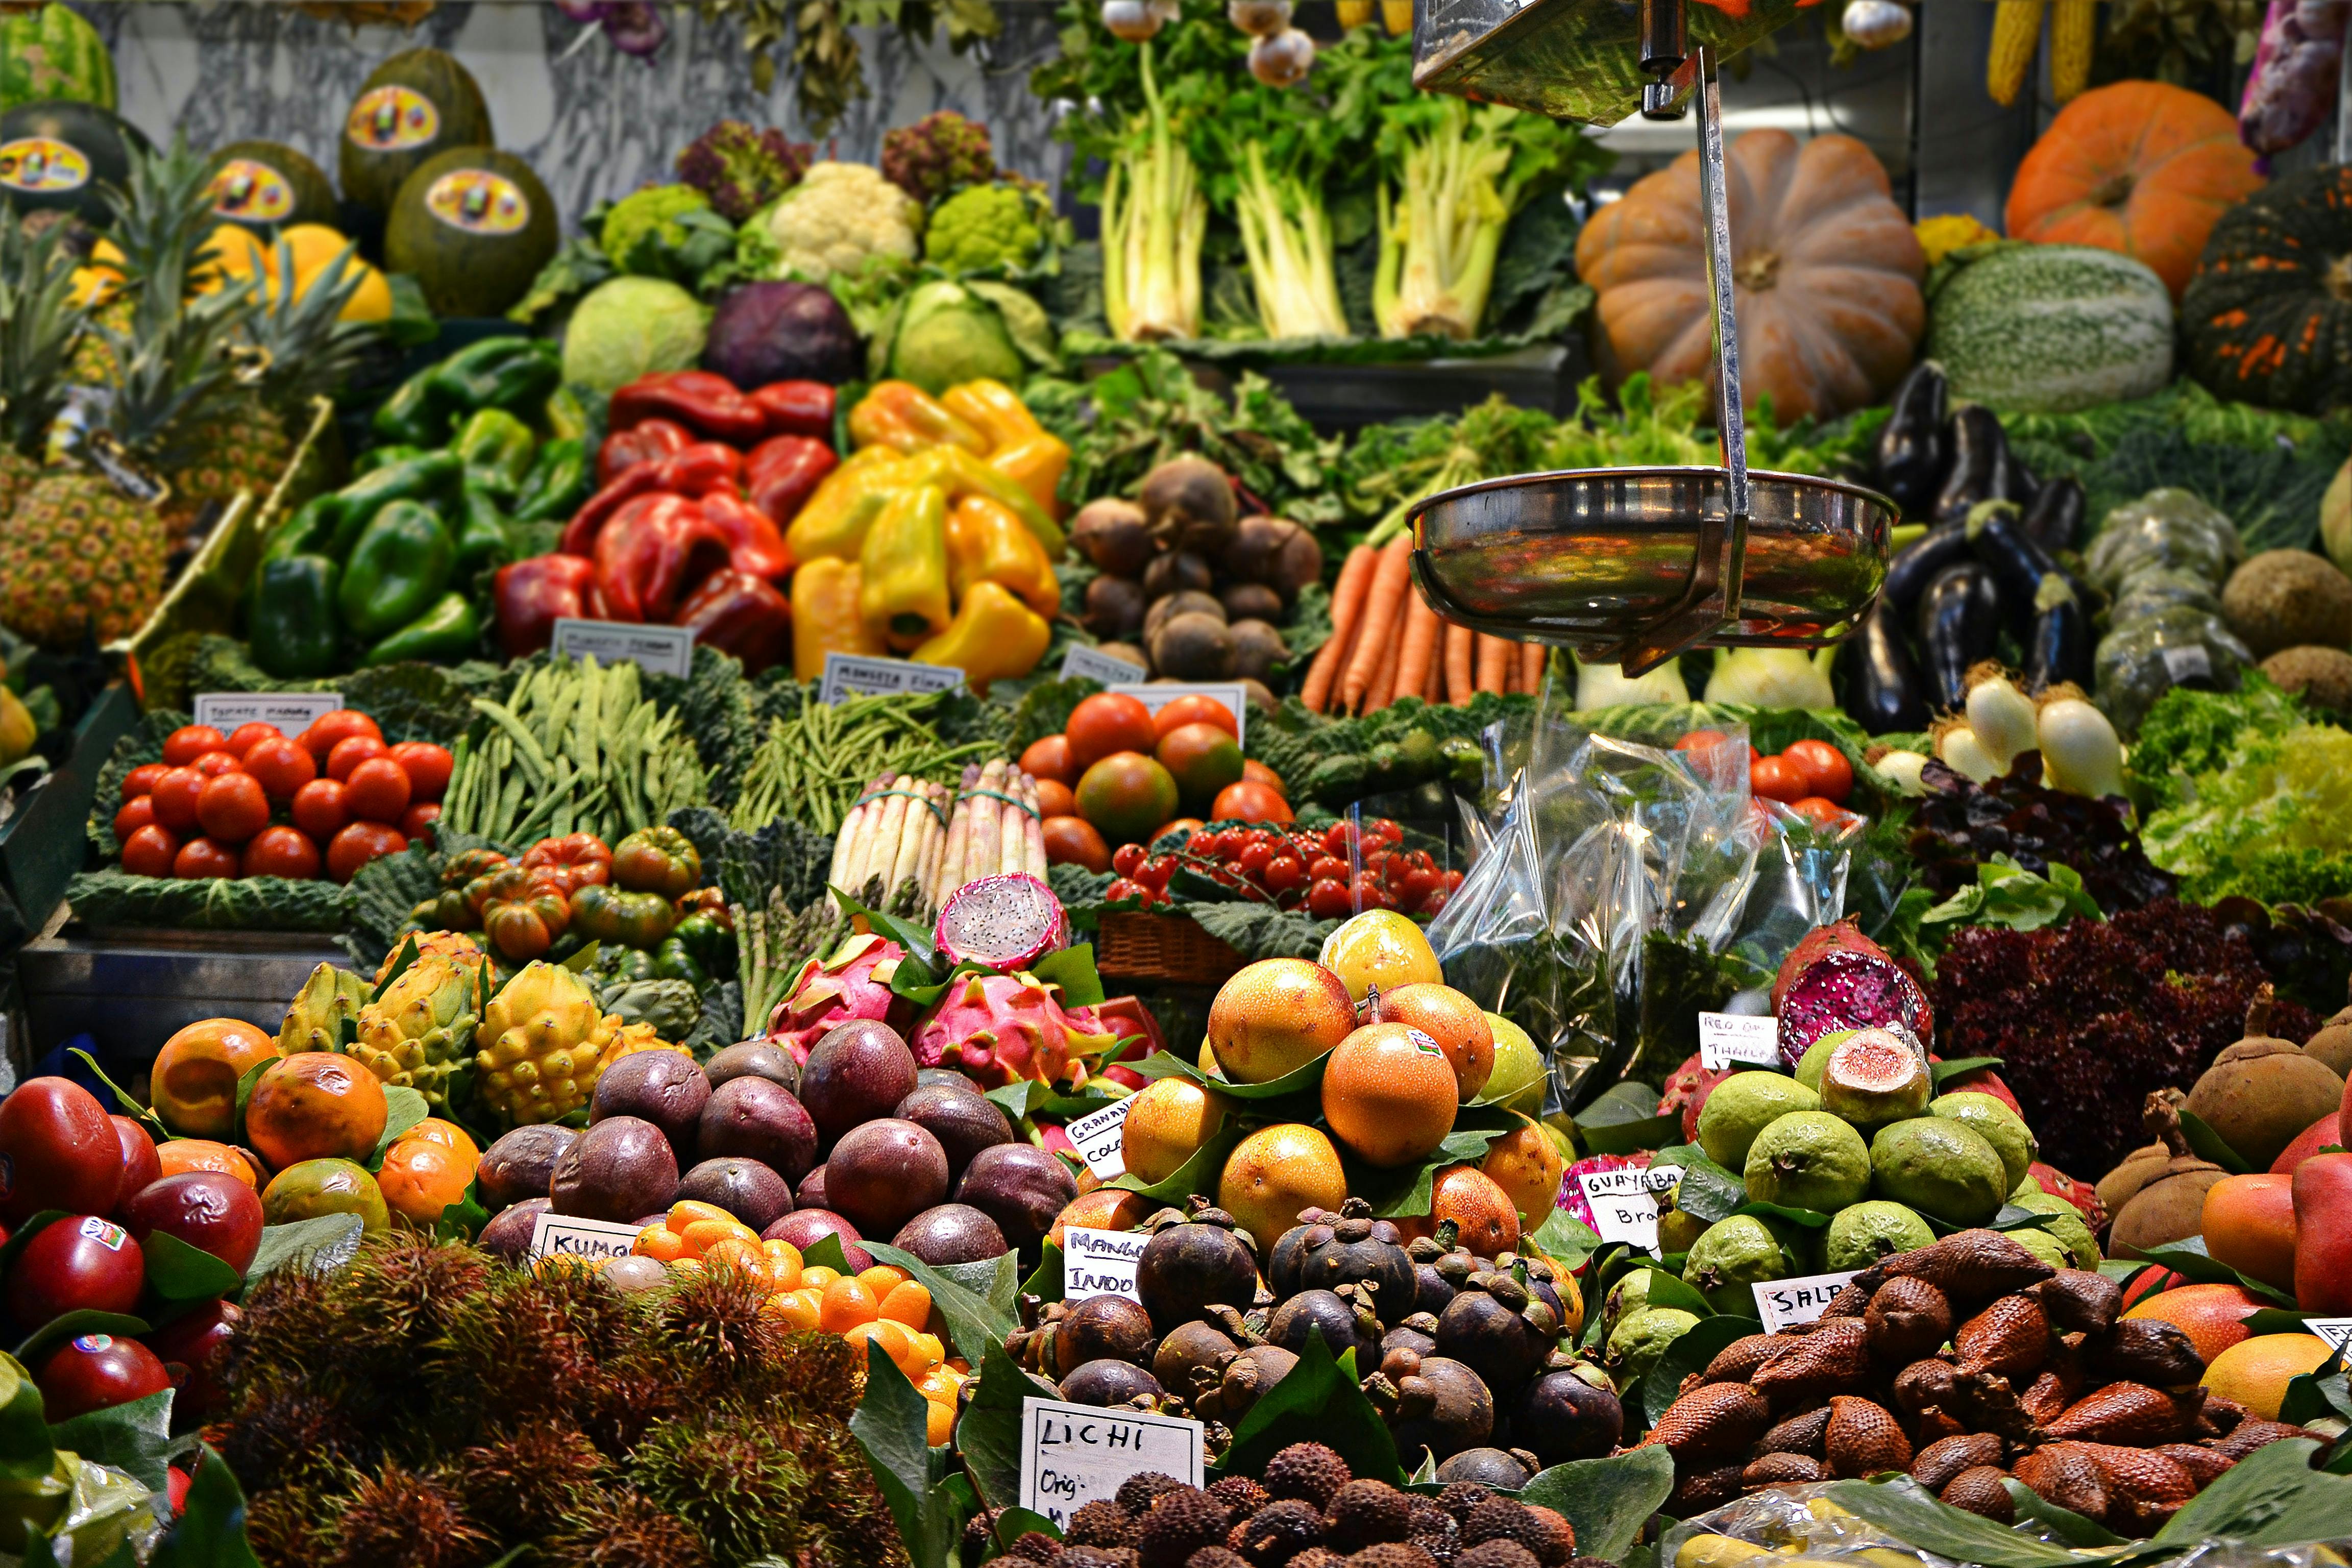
[[1916, 566], [1959, 623], [2059, 648], [1998, 542], [1881, 683], [1979, 466], [2055, 519], [1910, 457], [2018, 484]]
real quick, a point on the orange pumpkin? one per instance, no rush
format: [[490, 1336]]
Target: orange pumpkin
[[2141, 167], [1826, 271]]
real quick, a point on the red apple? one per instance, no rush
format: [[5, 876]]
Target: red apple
[[95, 1371], [79, 1261], [191, 1348], [140, 1164], [208, 1210], [58, 1151]]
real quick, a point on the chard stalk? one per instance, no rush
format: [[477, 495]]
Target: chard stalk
[[1154, 217], [1287, 238]]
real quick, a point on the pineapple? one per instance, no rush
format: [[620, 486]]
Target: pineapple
[[39, 325], [161, 218]]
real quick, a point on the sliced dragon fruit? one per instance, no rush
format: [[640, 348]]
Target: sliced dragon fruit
[[1850, 983], [1001, 1028], [1571, 1191], [1687, 1092], [854, 983], [1006, 923], [1838, 936]]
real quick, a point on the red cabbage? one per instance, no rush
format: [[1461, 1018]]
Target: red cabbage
[[781, 332]]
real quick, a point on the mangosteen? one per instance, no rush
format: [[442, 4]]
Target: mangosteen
[[1191, 1265], [1176, 571], [1337, 1317], [1102, 1326], [745, 1188], [1446, 1408], [856, 1074], [1497, 1329], [1564, 1415], [1485, 1468], [1360, 1251], [950, 1233], [1245, 1381], [1188, 504], [1413, 1334], [1190, 1348], [1114, 607], [753, 1058], [962, 1122], [1108, 1383], [1111, 532], [1020, 1186], [1282, 1259], [1430, 1290], [516, 1167]]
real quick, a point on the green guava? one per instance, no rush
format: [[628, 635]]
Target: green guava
[[1734, 1254], [1817, 1057], [1939, 1167], [2046, 1246], [2066, 1226], [1997, 1124], [1630, 1295], [1861, 1234], [1636, 1344], [1808, 1160], [2031, 1184], [1742, 1106], [1874, 1077]]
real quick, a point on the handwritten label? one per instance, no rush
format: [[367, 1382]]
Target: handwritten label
[[2188, 663], [1099, 1262], [291, 711], [1733, 1039], [2336, 1331], [1097, 665], [593, 1240], [848, 675], [1786, 1303], [657, 650], [1073, 1454], [1101, 1138], [1158, 694], [1624, 1204]]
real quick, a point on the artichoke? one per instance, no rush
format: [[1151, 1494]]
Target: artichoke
[[544, 1041], [315, 1021], [417, 1033], [671, 1006]]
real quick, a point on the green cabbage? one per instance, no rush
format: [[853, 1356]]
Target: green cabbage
[[631, 327]]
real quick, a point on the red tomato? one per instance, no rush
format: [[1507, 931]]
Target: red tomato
[[136, 812], [205, 857], [320, 809], [1195, 710], [350, 753], [376, 789], [1249, 802], [175, 796], [1126, 858], [245, 737], [232, 807], [359, 843], [212, 764], [1106, 722], [1054, 799], [1820, 810], [1252, 769], [418, 821], [327, 729], [141, 779], [427, 767], [189, 742], [1776, 778], [1327, 899], [1824, 767], [1050, 759], [281, 766], [1076, 841], [1699, 739], [148, 851], [282, 851], [1284, 872]]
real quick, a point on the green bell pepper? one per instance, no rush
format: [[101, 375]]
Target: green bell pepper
[[566, 419], [445, 633], [369, 461], [397, 568], [512, 373], [559, 480], [309, 532], [707, 938], [672, 962], [496, 449], [292, 618], [435, 477], [417, 414], [481, 531]]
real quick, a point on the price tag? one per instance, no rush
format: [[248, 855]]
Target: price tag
[[1158, 694], [567, 1235], [1099, 1262], [291, 711], [1073, 1454], [1785, 1303], [1099, 1135], [1624, 1204], [2188, 663], [2336, 1331], [1097, 665], [659, 650], [848, 675], [1735, 1039]]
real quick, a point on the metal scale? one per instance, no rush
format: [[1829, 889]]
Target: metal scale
[[1632, 566]]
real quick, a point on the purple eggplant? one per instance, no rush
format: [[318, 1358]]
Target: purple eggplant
[[1881, 683], [1959, 623], [1909, 456], [2055, 520]]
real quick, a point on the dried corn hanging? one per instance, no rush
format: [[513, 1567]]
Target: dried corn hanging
[[2073, 25], [2016, 33]]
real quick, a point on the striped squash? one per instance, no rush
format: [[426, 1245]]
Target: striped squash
[[2269, 316], [2049, 328]]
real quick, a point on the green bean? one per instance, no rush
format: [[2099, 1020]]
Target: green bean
[[534, 759]]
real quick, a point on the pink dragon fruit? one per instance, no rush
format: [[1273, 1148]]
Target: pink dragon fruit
[[1837, 978], [2082, 1195], [1001, 1028], [1980, 1080], [1687, 1092], [1006, 923], [1121, 1018], [854, 983], [1571, 1191]]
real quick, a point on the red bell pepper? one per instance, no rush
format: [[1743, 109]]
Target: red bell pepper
[[637, 480], [652, 438], [706, 404], [653, 551], [702, 468], [532, 595], [754, 545], [783, 472], [797, 408], [742, 615]]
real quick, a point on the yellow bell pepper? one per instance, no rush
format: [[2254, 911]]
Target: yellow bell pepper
[[904, 594], [834, 520], [961, 474], [994, 409], [986, 543], [900, 415], [824, 616], [1035, 465], [995, 636]]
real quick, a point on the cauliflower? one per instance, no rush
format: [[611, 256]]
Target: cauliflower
[[839, 219], [648, 214], [982, 226]]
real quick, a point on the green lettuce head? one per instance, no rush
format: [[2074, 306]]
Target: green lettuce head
[[631, 327], [948, 334]]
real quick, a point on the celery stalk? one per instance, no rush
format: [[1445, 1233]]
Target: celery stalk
[[1287, 238], [1154, 217], [1442, 229]]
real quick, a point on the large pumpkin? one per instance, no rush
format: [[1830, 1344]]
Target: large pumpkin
[[2269, 314], [1826, 272], [2141, 167]]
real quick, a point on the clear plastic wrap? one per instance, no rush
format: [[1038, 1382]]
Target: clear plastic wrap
[[2139, 663], [2165, 528]]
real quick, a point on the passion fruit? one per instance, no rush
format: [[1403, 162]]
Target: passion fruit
[[1166, 1125], [1389, 1094]]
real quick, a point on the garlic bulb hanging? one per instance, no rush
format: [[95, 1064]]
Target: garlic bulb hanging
[[1875, 23], [1283, 60], [1258, 19]]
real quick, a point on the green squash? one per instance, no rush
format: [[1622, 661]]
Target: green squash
[[475, 226], [50, 52], [418, 103], [2269, 314], [2048, 329], [268, 186], [61, 154]]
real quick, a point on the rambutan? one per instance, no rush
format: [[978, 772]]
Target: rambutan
[[279, 1525], [518, 1349], [622, 1530], [718, 1322], [288, 1438], [735, 1477], [412, 1517], [521, 1482]]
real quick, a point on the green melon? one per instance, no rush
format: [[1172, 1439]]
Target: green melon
[[2048, 329], [268, 186], [61, 154], [414, 106], [475, 226], [50, 52]]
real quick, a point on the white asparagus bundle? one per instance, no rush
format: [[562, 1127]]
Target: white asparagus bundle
[[996, 829], [895, 832], [948, 875]]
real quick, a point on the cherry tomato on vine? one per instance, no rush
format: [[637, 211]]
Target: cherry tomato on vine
[[1327, 899]]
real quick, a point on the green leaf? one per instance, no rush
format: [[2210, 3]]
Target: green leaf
[[462, 1220], [1044, 1281], [407, 1108], [2189, 1259], [989, 1434], [130, 1108], [1073, 969], [913, 938], [2209, 1144], [1689, 1354], [1905, 1507], [179, 1272], [1668, 1288], [27, 1452], [826, 1253], [2013, 1217], [210, 1532], [996, 1280], [2063, 1522], [135, 1438], [890, 1425], [1811, 1220], [1707, 1193], [71, 1325], [401, 961], [325, 1242], [1197, 1175], [1565, 1239], [1944, 1072], [1297, 1080], [1317, 1401], [1607, 1501], [974, 1321], [1016, 1522], [245, 1083], [2270, 1497], [2319, 1394], [1403, 1191], [1625, 1119]]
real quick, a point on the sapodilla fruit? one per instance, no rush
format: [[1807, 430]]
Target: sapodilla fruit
[[2261, 1091], [1389, 1094], [2323, 1216], [2171, 1206], [2249, 1224], [2332, 1043]]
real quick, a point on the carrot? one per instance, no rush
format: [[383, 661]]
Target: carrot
[[1434, 691], [1383, 614], [1494, 663], [1385, 689], [1532, 658], [1417, 649], [1459, 682], [1347, 609]]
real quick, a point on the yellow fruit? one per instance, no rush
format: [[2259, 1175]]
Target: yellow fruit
[[1382, 948], [1517, 1080], [371, 302], [1274, 1172], [1167, 1125], [229, 255], [314, 247], [1389, 1094], [1528, 1165], [2255, 1371], [938, 1422]]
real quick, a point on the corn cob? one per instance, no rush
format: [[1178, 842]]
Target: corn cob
[[2016, 33], [2073, 27]]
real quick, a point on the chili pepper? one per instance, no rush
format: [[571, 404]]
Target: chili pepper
[[994, 409], [375, 458], [965, 474], [904, 592], [824, 616], [797, 408], [651, 439], [834, 520], [309, 531], [435, 477], [900, 415], [674, 961], [993, 636], [397, 567], [708, 937], [481, 531], [654, 550], [497, 449], [706, 404], [532, 594], [987, 544], [512, 373], [782, 472], [446, 633], [656, 860], [577, 860], [566, 420], [292, 621], [1037, 465], [699, 470], [753, 546], [737, 613], [557, 483]]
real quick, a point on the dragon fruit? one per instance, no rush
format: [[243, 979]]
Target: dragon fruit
[[1121, 1018], [2082, 1195], [1001, 1028], [1687, 1092], [1006, 923], [1981, 1080], [854, 982], [1837, 978]]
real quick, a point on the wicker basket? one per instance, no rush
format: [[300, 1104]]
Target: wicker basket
[[1136, 945]]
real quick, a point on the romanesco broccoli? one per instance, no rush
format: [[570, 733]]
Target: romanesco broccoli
[[650, 214], [982, 226]]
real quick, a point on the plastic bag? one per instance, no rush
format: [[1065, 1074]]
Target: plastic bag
[[2169, 528], [2155, 589], [2139, 663]]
